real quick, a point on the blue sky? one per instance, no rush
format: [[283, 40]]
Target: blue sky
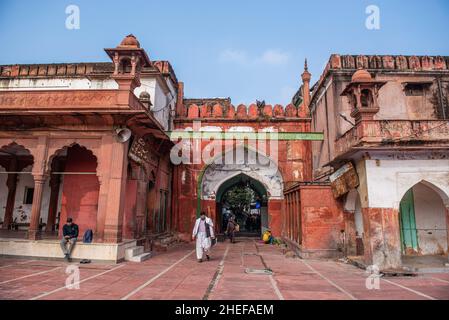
[[245, 49]]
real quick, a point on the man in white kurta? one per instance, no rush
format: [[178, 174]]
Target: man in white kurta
[[203, 232]]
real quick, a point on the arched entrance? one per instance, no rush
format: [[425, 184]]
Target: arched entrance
[[244, 166], [353, 205], [246, 199], [423, 220], [73, 189], [16, 189]]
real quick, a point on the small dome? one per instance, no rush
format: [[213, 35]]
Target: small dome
[[130, 41], [361, 75], [144, 95]]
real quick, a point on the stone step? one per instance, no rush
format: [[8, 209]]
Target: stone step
[[141, 257], [133, 251]]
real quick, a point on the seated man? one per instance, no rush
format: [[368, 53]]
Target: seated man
[[70, 234]]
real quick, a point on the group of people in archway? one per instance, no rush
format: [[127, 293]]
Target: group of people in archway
[[250, 222]]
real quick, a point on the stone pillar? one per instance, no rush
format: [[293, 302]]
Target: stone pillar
[[447, 229], [104, 163], [33, 232], [116, 193], [382, 239], [54, 196], [39, 169], [11, 183], [141, 207], [274, 216]]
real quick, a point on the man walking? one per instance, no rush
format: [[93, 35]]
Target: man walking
[[203, 232], [70, 234], [230, 229]]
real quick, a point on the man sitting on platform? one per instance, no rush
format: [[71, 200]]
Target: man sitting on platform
[[70, 235]]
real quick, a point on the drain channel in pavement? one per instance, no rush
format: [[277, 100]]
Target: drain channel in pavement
[[267, 272]]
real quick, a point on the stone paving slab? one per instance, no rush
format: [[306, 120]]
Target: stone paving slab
[[177, 275]]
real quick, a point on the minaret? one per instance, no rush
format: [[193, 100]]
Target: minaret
[[306, 76]]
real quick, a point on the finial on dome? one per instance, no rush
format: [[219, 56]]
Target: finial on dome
[[305, 65]]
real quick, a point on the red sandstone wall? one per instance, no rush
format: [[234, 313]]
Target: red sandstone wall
[[244, 112], [294, 158], [129, 216], [322, 218], [275, 217], [154, 195], [80, 192]]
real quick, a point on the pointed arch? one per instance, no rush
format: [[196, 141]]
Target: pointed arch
[[57, 151], [444, 195], [273, 183]]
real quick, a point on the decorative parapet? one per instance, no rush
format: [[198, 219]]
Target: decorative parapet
[[390, 63], [90, 69], [72, 100], [220, 111], [376, 133]]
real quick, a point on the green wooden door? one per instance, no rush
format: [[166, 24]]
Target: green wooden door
[[409, 237]]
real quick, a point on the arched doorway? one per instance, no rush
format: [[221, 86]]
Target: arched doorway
[[258, 170], [353, 206], [359, 231], [423, 221], [73, 189], [16, 189], [246, 199]]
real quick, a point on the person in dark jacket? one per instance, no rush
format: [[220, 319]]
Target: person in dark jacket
[[230, 229], [68, 241]]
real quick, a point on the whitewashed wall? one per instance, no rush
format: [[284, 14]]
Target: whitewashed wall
[[388, 180], [23, 181], [430, 215], [163, 100]]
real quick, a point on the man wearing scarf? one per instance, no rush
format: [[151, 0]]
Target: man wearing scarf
[[203, 232]]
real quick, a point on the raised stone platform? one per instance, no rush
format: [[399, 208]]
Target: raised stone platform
[[312, 253], [50, 249]]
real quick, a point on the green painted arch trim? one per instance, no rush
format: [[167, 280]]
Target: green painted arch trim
[[311, 136]]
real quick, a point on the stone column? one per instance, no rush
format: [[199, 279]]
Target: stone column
[[447, 231], [11, 183], [104, 164], [39, 170], [33, 232], [54, 196], [274, 216], [116, 193], [141, 207], [382, 243]]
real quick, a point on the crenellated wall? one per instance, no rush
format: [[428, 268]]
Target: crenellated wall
[[243, 112], [385, 62]]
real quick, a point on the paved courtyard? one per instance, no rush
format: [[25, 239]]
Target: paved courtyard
[[177, 275]]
